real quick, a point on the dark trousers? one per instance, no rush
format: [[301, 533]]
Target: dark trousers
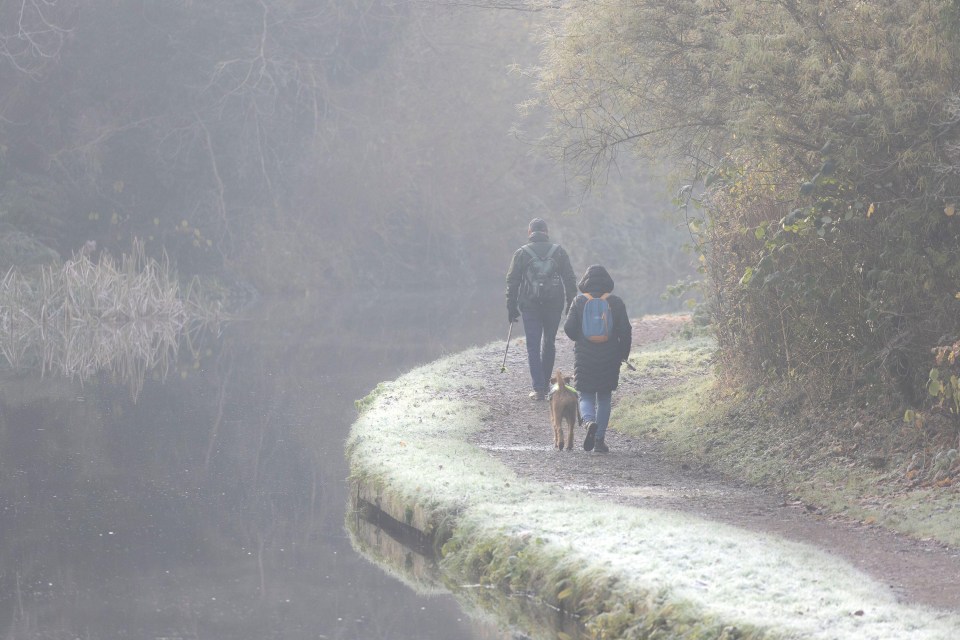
[[540, 327]]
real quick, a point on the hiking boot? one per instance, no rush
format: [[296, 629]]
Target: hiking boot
[[591, 434], [601, 447], [537, 395]]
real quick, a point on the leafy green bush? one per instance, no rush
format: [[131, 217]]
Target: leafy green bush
[[823, 144]]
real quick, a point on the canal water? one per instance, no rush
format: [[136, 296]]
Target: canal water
[[210, 504]]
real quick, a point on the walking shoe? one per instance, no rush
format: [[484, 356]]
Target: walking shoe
[[591, 434], [536, 395], [601, 447]]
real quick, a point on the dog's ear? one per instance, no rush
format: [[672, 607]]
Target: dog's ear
[[567, 379]]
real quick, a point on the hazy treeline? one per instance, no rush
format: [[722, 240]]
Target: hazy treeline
[[291, 143], [821, 143]]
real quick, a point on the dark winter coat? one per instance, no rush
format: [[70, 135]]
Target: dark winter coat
[[541, 244], [596, 365]]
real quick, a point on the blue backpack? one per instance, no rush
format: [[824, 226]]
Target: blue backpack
[[597, 321]]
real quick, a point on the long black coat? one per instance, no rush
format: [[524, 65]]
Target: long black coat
[[597, 364]]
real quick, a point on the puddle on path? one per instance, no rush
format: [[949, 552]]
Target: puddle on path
[[649, 491], [515, 447]]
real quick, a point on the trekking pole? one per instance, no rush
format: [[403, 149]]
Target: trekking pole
[[503, 366], [629, 366]]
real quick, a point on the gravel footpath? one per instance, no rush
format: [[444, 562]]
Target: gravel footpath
[[636, 473]]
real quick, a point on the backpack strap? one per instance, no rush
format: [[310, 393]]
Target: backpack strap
[[536, 255]]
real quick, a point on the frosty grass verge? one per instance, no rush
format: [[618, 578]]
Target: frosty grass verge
[[411, 437]]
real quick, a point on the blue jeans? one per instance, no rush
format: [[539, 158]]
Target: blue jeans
[[595, 407], [540, 327]]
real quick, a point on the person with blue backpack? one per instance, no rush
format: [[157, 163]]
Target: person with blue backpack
[[541, 284], [600, 329]]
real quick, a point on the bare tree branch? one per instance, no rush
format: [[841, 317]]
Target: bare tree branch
[[32, 33]]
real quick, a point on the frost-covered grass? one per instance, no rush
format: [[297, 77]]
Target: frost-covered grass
[[409, 443], [732, 435], [627, 571]]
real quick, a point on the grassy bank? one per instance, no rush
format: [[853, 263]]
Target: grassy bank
[[627, 572], [840, 461]]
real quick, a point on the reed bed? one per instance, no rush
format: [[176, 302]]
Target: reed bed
[[85, 317]]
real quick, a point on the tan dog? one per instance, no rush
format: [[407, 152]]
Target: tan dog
[[564, 405]]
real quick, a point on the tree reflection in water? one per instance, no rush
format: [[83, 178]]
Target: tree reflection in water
[[212, 505]]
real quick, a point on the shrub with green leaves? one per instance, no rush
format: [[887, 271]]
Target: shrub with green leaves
[[822, 144]]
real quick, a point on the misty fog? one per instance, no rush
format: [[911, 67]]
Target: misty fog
[[335, 188]]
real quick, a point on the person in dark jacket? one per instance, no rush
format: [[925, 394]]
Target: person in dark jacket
[[540, 304], [596, 365]]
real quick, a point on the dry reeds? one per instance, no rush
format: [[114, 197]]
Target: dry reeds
[[84, 317]]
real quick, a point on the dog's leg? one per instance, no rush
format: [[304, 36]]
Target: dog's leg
[[553, 425], [557, 442]]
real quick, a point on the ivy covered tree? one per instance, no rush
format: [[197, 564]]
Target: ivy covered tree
[[821, 141]]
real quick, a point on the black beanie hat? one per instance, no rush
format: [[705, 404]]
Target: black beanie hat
[[537, 224]]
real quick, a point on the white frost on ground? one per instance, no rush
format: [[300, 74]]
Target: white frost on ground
[[413, 437]]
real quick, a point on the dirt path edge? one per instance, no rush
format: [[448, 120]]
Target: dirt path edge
[[416, 469]]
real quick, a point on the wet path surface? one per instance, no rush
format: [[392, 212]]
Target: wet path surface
[[636, 473]]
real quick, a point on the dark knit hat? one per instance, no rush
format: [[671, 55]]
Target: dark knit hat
[[537, 224]]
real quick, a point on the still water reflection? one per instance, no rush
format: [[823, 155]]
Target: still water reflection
[[212, 506]]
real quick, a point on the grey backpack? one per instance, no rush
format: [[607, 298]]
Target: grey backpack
[[541, 278]]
